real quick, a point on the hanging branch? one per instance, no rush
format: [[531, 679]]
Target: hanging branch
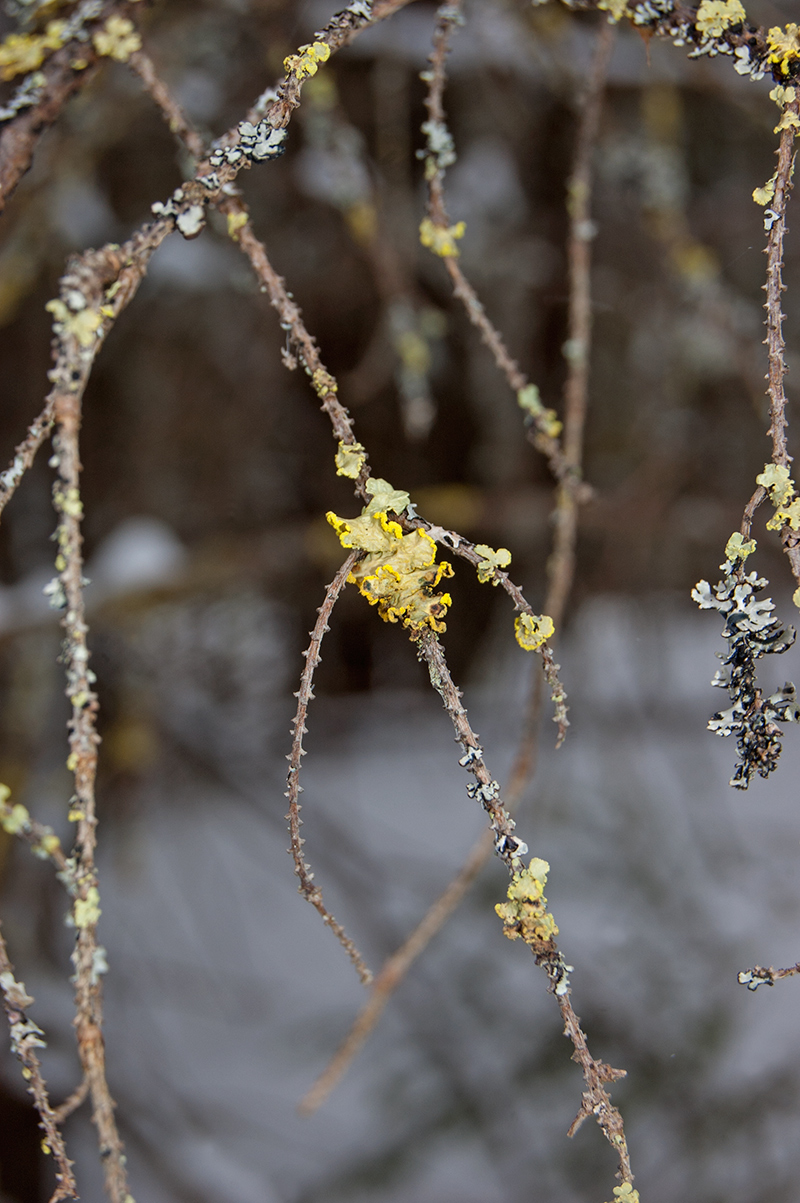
[[26, 1037], [311, 892], [596, 1100], [561, 569]]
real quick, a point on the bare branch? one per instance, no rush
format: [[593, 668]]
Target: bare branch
[[311, 892]]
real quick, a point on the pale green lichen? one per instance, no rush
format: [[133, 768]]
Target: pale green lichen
[[626, 1193], [616, 9], [778, 482], [350, 459], [21, 53], [532, 630], [490, 561], [399, 574], [525, 914], [86, 911], [14, 819], [384, 497], [762, 196], [82, 325], [739, 548]]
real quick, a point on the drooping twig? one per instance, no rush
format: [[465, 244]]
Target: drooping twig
[[26, 1037], [310, 891], [508, 847], [72, 1102], [561, 570]]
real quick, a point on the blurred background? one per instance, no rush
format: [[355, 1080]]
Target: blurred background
[[208, 470]]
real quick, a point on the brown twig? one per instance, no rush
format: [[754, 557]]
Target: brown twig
[[311, 892], [25, 1038], [178, 123], [72, 1102]]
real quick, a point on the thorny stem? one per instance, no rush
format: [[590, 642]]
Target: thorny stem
[[311, 892], [596, 1100], [774, 287], [24, 1039]]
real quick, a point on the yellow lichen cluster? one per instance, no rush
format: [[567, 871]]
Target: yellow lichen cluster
[[763, 196], [491, 560], [399, 574], [616, 9], [532, 630], [778, 482], [23, 52], [307, 60], [117, 39], [784, 46], [323, 383], [715, 16], [525, 914], [441, 239], [528, 398]]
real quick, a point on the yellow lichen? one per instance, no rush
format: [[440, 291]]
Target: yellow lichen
[[117, 39], [323, 383], [616, 9], [490, 560], [782, 95], [784, 46], [715, 16], [350, 459], [235, 223], [86, 911], [789, 120], [441, 239], [383, 497], [532, 630], [786, 516], [21, 53], [399, 574], [307, 60], [525, 914], [739, 548]]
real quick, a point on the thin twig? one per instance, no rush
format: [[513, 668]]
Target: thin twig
[[72, 1102], [311, 892], [25, 1038], [178, 123], [25, 454]]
